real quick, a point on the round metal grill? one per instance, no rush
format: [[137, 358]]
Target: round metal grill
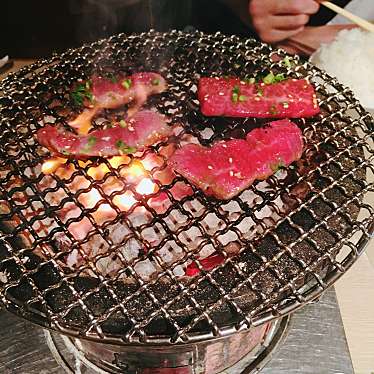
[[123, 280]]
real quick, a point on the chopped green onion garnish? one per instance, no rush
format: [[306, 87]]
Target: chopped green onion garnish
[[91, 141], [273, 110], [81, 92], [155, 82], [235, 94], [279, 77], [123, 147], [277, 166], [112, 78], [236, 90], [251, 80], [268, 79], [123, 123], [287, 62], [260, 91], [126, 83], [271, 78], [120, 143], [242, 98]]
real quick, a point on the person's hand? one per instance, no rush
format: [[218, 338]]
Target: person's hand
[[310, 39], [276, 20]]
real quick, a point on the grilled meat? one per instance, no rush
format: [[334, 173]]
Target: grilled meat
[[109, 93], [143, 129], [229, 167], [232, 97]]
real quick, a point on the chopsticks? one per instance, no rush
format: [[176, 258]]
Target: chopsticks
[[352, 17]]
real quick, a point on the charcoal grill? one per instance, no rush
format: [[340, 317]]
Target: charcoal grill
[[283, 241]]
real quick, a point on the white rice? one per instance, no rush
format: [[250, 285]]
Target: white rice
[[350, 58]]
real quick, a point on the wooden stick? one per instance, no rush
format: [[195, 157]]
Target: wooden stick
[[352, 17]]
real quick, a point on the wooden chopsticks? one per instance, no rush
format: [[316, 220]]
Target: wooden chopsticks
[[352, 17]]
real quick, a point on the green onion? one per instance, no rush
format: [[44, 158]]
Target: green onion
[[236, 90], [260, 92], [271, 78], [287, 62], [126, 83], [112, 78], [123, 123], [279, 165], [155, 82], [280, 77], [123, 147], [235, 94], [91, 141], [273, 110], [250, 80], [268, 79], [81, 92], [120, 143], [242, 98]]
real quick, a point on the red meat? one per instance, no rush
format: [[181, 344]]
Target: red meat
[[232, 97], [229, 167], [143, 129], [106, 93]]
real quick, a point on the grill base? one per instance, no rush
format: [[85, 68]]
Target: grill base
[[310, 344], [249, 350]]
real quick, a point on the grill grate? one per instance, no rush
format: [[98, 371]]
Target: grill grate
[[71, 267]]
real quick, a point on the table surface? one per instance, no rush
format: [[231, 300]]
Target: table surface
[[355, 292]]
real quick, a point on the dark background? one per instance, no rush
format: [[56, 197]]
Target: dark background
[[37, 28]]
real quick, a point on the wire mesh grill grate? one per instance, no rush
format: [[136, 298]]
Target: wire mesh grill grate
[[122, 280]]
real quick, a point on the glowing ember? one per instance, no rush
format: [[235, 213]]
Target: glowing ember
[[146, 187], [104, 213], [51, 165], [125, 201], [132, 171], [117, 161], [91, 198], [98, 172]]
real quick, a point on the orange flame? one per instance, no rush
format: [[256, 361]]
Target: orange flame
[[52, 164], [135, 172]]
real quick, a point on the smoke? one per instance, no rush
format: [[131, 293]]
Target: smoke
[[96, 19]]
